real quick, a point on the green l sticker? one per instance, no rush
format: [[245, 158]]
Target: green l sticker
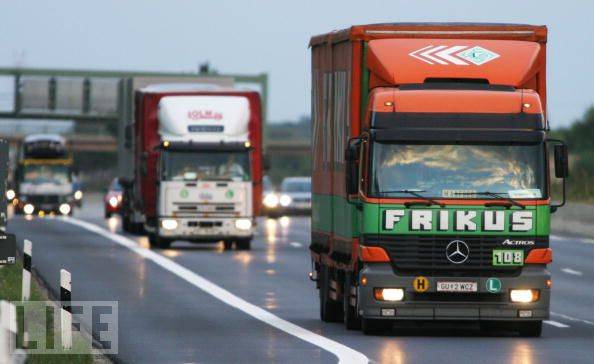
[[493, 285]]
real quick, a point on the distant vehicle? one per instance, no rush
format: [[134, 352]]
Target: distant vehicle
[[197, 165], [43, 176], [112, 200], [295, 195]]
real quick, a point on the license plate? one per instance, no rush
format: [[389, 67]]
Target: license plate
[[503, 257], [457, 287]]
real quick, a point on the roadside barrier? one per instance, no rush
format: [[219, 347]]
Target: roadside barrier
[[8, 331], [66, 311]]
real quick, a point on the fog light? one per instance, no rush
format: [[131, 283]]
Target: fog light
[[10, 194], [28, 209], [388, 312], [388, 294], [285, 200], [169, 224], [524, 313], [113, 201], [78, 195], [271, 200], [64, 209], [524, 295], [243, 224]]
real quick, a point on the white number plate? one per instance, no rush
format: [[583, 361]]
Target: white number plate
[[457, 287]]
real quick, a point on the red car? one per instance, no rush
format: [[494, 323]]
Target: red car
[[113, 199]]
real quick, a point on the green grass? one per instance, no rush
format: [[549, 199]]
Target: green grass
[[10, 290]]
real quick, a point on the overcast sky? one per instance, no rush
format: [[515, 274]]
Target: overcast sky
[[245, 36]]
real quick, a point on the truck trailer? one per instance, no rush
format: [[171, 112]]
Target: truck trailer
[[431, 189], [197, 165], [43, 176]]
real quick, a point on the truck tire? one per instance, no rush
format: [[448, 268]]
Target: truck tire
[[243, 244], [227, 244], [330, 310], [375, 326], [530, 329], [352, 321], [158, 242]]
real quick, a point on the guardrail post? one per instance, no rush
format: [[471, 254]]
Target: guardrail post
[[8, 331], [26, 285], [66, 311]]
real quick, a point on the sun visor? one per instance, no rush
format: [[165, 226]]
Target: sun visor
[[413, 61]]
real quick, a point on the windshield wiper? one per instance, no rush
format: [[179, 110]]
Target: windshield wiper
[[494, 195], [415, 193]]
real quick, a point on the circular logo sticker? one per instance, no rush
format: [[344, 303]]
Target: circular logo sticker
[[184, 193], [493, 285], [420, 284], [230, 194]]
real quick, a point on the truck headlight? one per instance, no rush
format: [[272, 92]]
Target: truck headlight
[[10, 194], [388, 294], [524, 295], [28, 209], [64, 209], [243, 224], [78, 195], [169, 224], [285, 200], [271, 200]]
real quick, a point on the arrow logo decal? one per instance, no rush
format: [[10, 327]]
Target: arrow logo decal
[[457, 55]]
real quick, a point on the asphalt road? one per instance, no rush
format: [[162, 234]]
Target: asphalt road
[[198, 303]]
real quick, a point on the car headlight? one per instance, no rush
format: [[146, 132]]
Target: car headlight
[[10, 194], [243, 224], [28, 209], [78, 195], [113, 201], [64, 209], [285, 200], [168, 224], [271, 200]]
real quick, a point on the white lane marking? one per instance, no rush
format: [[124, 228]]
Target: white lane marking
[[556, 324], [570, 318], [572, 272], [344, 353], [295, 244]]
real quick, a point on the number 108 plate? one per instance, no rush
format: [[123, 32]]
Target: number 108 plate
[[503, 257]]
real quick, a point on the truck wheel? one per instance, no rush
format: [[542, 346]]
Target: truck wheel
[[530, 329], [351, 317], [330, 311], [243, 244], [375, 327], [227, 244], [158, 242]]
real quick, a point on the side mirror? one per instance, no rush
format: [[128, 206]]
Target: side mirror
[[561, 161], [266, 163], [351, 155]]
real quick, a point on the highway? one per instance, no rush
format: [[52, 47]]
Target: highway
[[198, 303]]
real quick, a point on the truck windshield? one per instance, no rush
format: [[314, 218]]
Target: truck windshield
[[46, 173], [213, 166], [457, 171]]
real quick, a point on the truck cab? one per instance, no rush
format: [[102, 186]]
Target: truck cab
[[198, 172]]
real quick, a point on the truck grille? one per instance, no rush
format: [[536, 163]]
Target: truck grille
[[426, 255], [208, 208]]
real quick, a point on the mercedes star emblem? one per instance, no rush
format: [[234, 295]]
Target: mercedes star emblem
[[457, 252]]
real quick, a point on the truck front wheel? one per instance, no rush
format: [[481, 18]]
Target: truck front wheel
[[158, 242], [330, 310], [243, 244], [351, 318]]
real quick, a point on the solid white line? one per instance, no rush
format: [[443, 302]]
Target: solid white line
[[296, 244], [572, 272], [344, 353], [556, 324], [576, 240], [569, 318]]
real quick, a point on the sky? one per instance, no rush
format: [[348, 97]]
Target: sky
[[249, 36]]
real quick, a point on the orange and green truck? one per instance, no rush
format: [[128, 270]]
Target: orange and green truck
[[431, 194]]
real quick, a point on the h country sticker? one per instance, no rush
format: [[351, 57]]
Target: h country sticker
[[420, 284]]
